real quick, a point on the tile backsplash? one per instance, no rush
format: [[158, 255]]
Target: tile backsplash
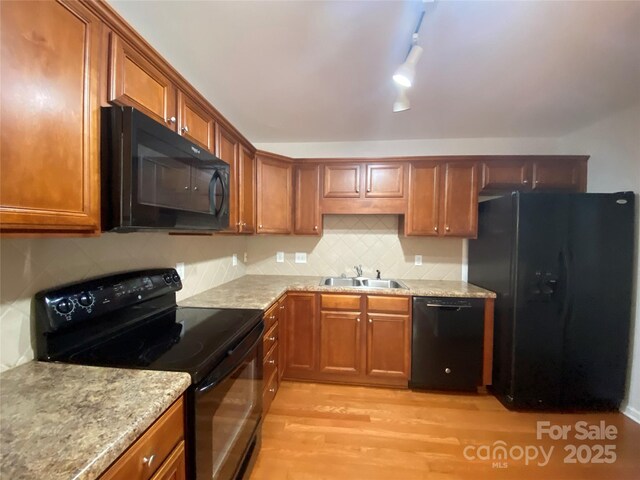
[[348, 240], [30, 265]]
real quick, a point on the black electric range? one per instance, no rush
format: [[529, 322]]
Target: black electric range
[[131, 320]]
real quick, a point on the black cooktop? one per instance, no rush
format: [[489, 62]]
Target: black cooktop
[[191, 340]]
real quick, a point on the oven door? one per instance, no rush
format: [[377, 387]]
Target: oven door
[[228, 410]]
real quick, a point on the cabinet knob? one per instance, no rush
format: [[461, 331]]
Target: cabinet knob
[[525, 181], [272, 390], [195, 188], [185, 129], [281, 307], [272, 317], [447, 370], [148, 460], [370, 321], [171, 120], [239, 224], [315, 227], [272, 362], [357, 189], [447, 228], [357, 319], [435, 229], [368, 189], [537, 182], [187, 187], [260, 226], [273, 339]]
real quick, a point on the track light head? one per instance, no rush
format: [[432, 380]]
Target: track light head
[[406, 72], [402, 101]]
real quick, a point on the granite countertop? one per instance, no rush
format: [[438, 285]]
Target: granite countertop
[[260, 291], [61, 421]]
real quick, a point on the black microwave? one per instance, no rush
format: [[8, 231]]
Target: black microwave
[[155, 179]]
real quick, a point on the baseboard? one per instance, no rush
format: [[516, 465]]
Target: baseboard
[[632, 413]]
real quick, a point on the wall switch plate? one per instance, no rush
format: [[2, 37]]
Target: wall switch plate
[[418, 260], [180, 269], [246, 257], [234, 259], [301, 257], [279, 257]]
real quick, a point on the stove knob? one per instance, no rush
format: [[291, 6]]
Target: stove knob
[[167, 278], [176, 278], [64, 307], [85, 300]]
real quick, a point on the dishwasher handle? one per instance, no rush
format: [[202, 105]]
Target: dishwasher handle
[[447, 307]]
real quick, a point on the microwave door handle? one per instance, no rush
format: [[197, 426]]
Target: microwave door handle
[[212, 193]]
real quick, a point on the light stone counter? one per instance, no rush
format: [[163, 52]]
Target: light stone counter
[[61, 421], [260, 291]]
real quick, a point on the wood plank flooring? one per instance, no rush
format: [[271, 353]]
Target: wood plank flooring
[[327, 432]]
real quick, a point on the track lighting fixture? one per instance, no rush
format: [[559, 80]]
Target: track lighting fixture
[[402, 101], [406, 72]]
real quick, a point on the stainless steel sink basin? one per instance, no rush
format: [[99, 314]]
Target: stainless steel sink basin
[[373, 283], [361, 283], [340, 282]]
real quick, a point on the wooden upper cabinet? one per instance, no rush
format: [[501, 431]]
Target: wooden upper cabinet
[[247, 191], [506, 175], [385, 180], [307, 217], [342, 181], [135, 81], [558, 175], [274, 194], [459, 204], [195, 122], [50, 105], [422, 217]]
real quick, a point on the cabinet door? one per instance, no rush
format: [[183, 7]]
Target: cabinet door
[[273, 187], [227, 149], [557, 175], [389, 347], [247, 191], [506, 175], [340, 343], [422, 216], [342, 181], [135, 81], [385, 180], [195, 122], [459, 207], [307, 218], [173, 467], [50, 104], [301, 334]]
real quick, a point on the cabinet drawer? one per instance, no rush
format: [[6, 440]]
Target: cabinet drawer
[[269, 392], [156, 444], [174, 467], [388, 304], [270, 338], [340, 302], [271, 316], [270, 363]]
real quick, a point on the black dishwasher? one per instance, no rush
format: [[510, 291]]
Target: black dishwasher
[[446, 346]]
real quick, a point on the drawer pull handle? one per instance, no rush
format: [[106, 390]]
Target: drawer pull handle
[[281, 307], [272, 390], [272, 317], [148, 460], [273, 339], [272, 362]]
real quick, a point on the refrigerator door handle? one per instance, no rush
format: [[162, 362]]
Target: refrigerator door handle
[[564, 263]]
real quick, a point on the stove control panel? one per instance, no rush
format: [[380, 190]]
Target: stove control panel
[[62, 307]]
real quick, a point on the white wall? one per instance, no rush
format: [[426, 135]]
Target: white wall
[[30, 265], [614, 146]]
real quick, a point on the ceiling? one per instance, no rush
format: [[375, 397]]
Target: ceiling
[[299, 71]]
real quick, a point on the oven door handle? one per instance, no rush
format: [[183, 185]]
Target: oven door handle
[[233, 359]]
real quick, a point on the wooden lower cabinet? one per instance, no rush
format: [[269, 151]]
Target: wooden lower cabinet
[[272, 346], [346, 338], [157, 454]]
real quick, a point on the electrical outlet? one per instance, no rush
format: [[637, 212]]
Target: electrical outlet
[[180, 269], [301, 257], [246, 257], [279, 257], [234, 260], [418, 260]]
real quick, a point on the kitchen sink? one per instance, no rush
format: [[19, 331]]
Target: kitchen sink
[[361, 283]]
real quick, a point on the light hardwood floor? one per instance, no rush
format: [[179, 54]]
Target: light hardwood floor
[[316, 431]]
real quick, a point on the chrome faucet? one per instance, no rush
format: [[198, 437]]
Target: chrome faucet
[[377, 274], [358, 270]]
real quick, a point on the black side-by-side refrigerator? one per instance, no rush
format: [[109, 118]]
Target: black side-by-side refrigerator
[[562, 267]]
